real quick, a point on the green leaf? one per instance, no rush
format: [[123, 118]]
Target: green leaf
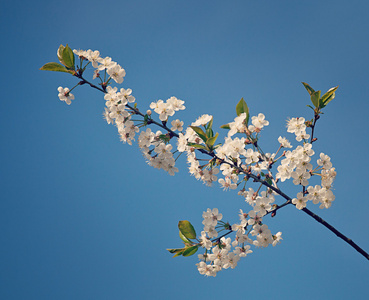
[[177, 252], [164, 138], [241, 107], [328, 97], [308, 88], [56, 67], [209, 133], [187, 229], [190, 251], [198, 146], [200, 133], [310, 107], [209, 130], [225, 126], [183, 238], [315, 98], [210, 124], [68, 57], [60, 53], [210, 142]]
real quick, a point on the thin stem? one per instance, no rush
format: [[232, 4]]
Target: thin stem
[[316, 117]]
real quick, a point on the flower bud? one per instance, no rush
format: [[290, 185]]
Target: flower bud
[[148, 112]]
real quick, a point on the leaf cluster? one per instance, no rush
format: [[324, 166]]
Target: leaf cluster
[[319, 101], [67, 60], [186, 233], [207, 136]]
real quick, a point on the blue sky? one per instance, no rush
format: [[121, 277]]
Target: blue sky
[[84, 217]]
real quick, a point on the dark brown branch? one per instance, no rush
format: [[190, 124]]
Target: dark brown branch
[[336, 232]]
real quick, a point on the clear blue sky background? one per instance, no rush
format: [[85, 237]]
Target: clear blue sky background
[[84, 217]]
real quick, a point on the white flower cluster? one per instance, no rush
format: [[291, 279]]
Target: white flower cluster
[[160, 156], [261, 203], [116, 112], [168, 108], [114, 70], [239, 124], [65, 95], [218, 254], [296, 164], [298, 127]]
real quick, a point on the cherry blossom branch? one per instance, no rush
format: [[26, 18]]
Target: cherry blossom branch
[[120, 112], [250, 175]]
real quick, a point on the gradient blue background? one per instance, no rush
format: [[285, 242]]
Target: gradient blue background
[[84, 217]]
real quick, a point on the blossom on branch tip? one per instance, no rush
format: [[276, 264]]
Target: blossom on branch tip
[[284, 142], [65, 95]]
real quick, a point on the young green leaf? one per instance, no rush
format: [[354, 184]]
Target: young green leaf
[[200, 133], [328, 97], [209, 130], [241, 107], [197, 146], [53, 66], [60, 53], [164, 138], [177, 252], [315, 98], [225, 126], [209, 133], [190, 251], [183, 238], [187, 229], [210, 142], [308, 88], [68, 57], [210, 124]]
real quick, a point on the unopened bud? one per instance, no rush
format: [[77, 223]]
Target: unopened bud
[[314, 139], [148, 112]]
